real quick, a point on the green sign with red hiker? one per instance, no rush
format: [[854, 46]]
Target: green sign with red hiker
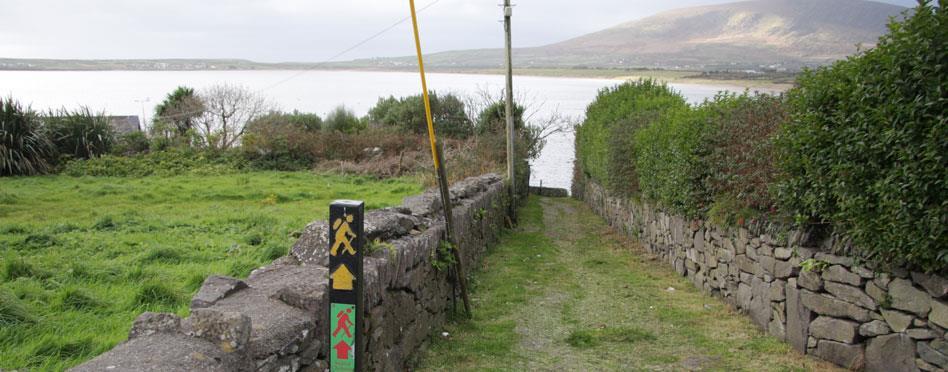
[[346, 241]]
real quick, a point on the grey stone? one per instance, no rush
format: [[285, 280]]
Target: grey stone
[[897, 320], [925, 366], [828, 328], [760, 310], [862, 271], [699, 240], [765, 250], [826, 305], [874, 328], [921, 333], [882, 280], [847, 356], [837, 273], [934, 284], [782, 253], [166, 352], [810, 280], [850, 294], [804, 253], [150, 323], [939, 314], [767, 264], [890, 353], [798, 320], [906, 297], [214, 289], [920, 322], [876, 293], [778, 290], [744, 295], [747, 265], [834, 260], [785, 269], [935, 352], [229, 330]]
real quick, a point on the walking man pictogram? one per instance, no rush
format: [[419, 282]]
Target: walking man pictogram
[[344, 236], [343, 323]]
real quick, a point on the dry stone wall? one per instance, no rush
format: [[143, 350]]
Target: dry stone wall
[[276, 319], [837, 310]]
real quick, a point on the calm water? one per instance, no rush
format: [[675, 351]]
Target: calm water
[[136, 93]]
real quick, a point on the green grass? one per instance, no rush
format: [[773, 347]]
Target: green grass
[[80, 258], [564, 292]]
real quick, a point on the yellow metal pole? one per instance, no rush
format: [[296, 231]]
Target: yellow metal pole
[[424, 88], [441, 172]]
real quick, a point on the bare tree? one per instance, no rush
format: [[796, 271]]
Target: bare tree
[[538, 123], [227, 110]]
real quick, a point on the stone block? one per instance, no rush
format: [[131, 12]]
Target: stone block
[[850, 294], [150, 323], [778, 290], [935, 352], [939, 314], [934, 284], [847, 356], [782, 253], [830, 306], [920, 333], [906, 297], [834, 259], [863, 272], [760, 310], [874, 328], [767, 264], [839, 274], [878, 294], [890, 353], [744, 295], [897, 320], [810, 280], [785, 269], [747, 265], [829, 328], [229, 330], [798, 320], [214, 289]]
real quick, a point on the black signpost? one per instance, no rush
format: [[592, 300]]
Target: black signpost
[[346, 241]]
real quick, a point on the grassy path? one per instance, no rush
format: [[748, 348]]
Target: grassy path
[[564, 293]]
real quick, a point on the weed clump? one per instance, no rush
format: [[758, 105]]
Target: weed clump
[[155, 294], [78, 299], [16, 268], [13, 311]]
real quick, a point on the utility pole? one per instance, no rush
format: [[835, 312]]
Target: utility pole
[[511, 131]]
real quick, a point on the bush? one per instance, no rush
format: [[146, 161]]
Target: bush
[[25, 148], [866, 147], [670, 156], [163, 163], [282, 141], [80, 134], [408, 115], [342, 120], [602, 141], [742, 165], [133, 143]]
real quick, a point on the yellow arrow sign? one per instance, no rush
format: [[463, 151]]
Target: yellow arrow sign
[[342, 279]]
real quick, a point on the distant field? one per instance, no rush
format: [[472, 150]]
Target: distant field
[[80, 258]]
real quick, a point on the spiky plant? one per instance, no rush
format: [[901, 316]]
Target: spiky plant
[[80, 134], [25, 148]]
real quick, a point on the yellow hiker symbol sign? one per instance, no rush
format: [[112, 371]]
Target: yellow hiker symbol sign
[[344, 236], [342, 279]]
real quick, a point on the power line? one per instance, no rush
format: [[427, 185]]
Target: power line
[[357, 45], [330, 59]]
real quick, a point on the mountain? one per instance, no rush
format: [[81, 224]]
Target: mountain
[[748, 34]]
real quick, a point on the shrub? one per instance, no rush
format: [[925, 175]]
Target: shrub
[[407, 114], [282, 141], [670, 160], [866, 147], [160, 163], [131, 144], [741, 163], [493, 119], [618, 106], [25, 148], [80, 134], [342, 120]]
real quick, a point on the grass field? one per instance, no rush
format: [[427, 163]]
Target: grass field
[[80, 258]]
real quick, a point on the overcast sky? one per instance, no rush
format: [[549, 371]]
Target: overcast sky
[[295, 30]]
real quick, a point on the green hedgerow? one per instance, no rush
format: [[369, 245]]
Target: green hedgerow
[[867, 146]]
